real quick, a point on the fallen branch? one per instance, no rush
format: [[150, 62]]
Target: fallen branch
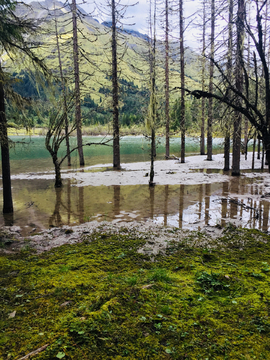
[[35, 352]]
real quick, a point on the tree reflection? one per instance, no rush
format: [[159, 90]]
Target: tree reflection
[[56, 219]]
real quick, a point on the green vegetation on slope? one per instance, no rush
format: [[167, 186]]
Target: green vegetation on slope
[[101, 299]]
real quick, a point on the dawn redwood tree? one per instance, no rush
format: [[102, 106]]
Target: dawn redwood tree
[[13, 31]]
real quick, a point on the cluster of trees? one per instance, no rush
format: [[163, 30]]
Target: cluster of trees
[[234, 74]]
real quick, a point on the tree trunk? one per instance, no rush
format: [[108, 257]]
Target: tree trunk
[[203, 84], [7, 194], [116, 142], [182, 68], [211, 75], [229, 74], [58, 179], [153, 150], [227, 141], [167, 95], [63, 85], [77, 82], [253, 153], [239, 87]]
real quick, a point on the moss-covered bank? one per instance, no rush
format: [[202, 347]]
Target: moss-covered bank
[[101, 299]]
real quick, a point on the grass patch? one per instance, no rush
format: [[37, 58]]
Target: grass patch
[[101, 299]]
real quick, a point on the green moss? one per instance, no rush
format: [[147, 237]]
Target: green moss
[[101, 299]]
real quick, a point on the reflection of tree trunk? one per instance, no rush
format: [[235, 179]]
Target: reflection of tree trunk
[[181, 205], [116, 199], [152, 201], [224, 203], [265, 216], [166, 203], [234, 205], [68, 201], [81, 204], [200, 199], [8, 219], [207, 202], [56, 217]]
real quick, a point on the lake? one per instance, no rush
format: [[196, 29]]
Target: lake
[[38, 205]]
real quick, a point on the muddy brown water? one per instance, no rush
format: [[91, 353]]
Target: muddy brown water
[[38, 205]]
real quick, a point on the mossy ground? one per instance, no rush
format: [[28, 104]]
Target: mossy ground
[[101, 299]]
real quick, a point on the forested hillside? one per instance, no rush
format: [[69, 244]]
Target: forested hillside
[[95, 71]]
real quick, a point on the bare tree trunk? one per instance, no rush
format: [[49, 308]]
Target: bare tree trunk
[[152, 107], [211, 75], [64, 92], [7, 194], [203, 83], [167, 95], [253, 153], [182, 68], [116, 141], [259, 149], [58, 179], [77, 82], [239, 87], [229, 74]]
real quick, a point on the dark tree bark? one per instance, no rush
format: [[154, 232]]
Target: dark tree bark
[[77, 82], [239, 88], [182, 68], [115, 90], [167, 95], [211, 76], [229, 74], [7, 193], [202, 140]]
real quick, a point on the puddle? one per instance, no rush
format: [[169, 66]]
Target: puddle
[[38, 205]]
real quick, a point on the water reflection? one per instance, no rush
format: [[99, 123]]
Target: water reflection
[[39, 205]]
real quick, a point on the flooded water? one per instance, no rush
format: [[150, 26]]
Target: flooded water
[[38, 205], [30, 154]]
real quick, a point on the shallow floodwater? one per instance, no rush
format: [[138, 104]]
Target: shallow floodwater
[[38, 205], [30, 154]]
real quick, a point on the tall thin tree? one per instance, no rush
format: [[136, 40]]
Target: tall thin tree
[[211, 77], [115, 92], [182, 70], [167, 94], [77, 82], [239, 87]]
